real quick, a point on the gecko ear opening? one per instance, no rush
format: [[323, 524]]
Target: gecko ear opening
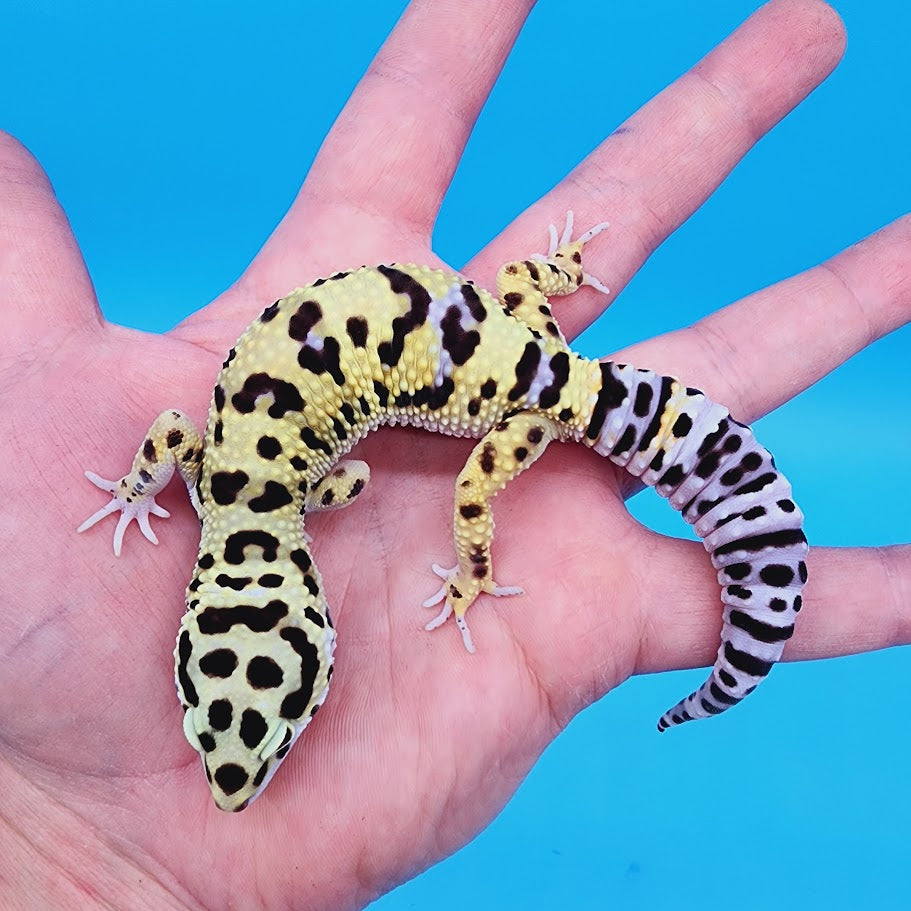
[[280, 736], [189, 730]]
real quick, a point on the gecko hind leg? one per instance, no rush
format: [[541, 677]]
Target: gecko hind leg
[[523, 287], [501, 455]]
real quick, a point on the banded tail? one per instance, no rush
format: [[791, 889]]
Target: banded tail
[[714, 472]]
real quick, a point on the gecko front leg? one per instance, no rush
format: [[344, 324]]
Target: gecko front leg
[[172, 442]]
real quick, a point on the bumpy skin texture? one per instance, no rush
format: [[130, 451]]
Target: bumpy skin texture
[[314, 374]]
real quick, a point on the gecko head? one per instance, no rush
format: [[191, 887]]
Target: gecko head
[[238, 774], [247, 696]]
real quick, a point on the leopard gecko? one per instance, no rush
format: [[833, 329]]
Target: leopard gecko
[[407, 344]]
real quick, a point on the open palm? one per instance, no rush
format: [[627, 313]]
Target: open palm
[[420, 743]]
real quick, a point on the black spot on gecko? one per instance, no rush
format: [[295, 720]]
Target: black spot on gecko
[[777, 575], [218, 433], [215, 620], [744, 661], [226, 485], [625, 443], [441, 394], [756, 512], [324, 360], [756, 484], [654, 424], [312, 441], [738, 591], [520, 453], [327, 497], [206, 561], [311, 586], [144, 475], [264, 674], [301, 559], [340, 432], [512, 300], [610, 396], [269, 313], [487, 459], [738, 570], [751, 461], [230, 777], [148, 451], [474, 407], [295, 704], [535, 435], [221, 662], [488, 389], [206, 741], [643, 400], [270, 580], [382, 393], [174, 439], [758, 629], [470, 511], [234, 546], [525, 371], [298, 464], [219, 397], [220, 713], [682, 426], [274, 496], [672, 477], [268, 447], [356, 488], [348, 413], [314, 616], [260, 776], [778, 604], [755, 543], [559, 366], [237, 583], [231, 355], [402, 283], [184, 650], [307, 315], [459, 343], [475, 305], [286, 396], [533, 272]]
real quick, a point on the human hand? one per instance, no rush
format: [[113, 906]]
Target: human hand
[[419, 744]]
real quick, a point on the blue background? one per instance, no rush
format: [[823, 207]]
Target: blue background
[[176, 137]]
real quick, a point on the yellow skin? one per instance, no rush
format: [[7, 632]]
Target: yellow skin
[[385, 779]]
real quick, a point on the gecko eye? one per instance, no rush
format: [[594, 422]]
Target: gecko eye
[[280, 737]]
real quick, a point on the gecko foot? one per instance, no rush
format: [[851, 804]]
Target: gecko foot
[[457, 594], [565, 244], [130, 508]]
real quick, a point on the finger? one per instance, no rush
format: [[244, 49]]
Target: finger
[[43, 281], [654, 171], [839, 617], [397, 142], [861, 294]]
